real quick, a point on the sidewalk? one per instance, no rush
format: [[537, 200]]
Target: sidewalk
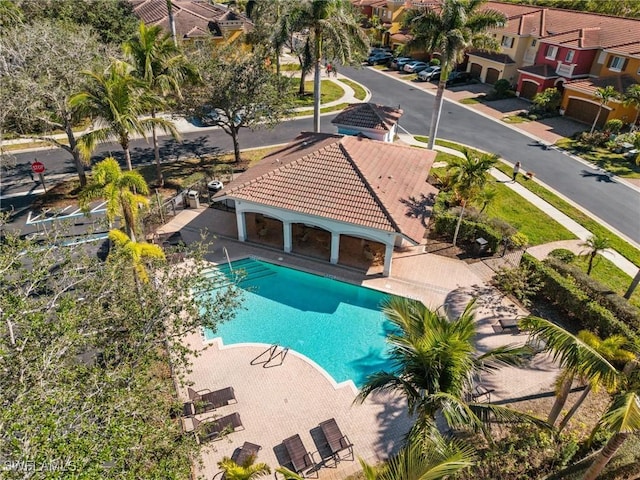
[[541, 251]]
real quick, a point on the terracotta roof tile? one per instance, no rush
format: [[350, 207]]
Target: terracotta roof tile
[[349, 179], [369, 115], [495, 57], [632, 49], [619, 82], [544, 70]]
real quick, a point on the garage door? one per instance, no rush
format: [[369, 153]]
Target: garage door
[[528, 90], [492, 76], [476, 70], [586, 112]]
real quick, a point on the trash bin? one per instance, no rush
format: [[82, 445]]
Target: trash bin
[[193, 199], [481, 246]]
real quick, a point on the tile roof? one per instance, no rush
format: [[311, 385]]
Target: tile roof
[[578, 38], [193, 18], [631, 49], [369, 115], [544, 70], [619, 82], [349, 179], [495, 57]]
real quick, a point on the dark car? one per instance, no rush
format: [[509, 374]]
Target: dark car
[[398, 63], [379, 58], [459, 78]]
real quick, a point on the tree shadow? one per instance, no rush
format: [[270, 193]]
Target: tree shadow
[[599, 176], [420, 208]]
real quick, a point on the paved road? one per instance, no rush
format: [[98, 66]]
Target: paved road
[[608, 199], [612, 201]]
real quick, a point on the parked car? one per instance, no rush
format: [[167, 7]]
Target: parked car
[[415, 66], [427, 73], [459, 78], [214, 186], [379, 58], [377, 50], [398, 63]]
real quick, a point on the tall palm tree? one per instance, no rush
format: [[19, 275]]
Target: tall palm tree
[[631, 97], [622, 419], [595, 244], [450, 28], [247, 471], [435, 363], [119, 189], [576, 356], [431, 458], [160, 64], [138, 253], [468, 176], [336, 33], [603, 95], [118, 101]]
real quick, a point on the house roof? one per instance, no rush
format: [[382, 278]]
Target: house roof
[[495, 57], [630, 49], [193, 18], [619, 82], [544, 70], [369, 115], [578, 38], [349, 179], [546, 23]]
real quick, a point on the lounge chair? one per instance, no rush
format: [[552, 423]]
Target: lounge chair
[[335, 439], [204, 401], [300, 458], [244, 453], [213, 429]]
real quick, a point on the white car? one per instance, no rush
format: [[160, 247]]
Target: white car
[[415, 67], [215, 186], [427, 73]]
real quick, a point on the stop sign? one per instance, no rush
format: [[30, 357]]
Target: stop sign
[[37, 167]]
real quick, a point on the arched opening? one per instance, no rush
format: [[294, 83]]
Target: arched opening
[[310, 241], [264, 230], [493, 75], [361, 253]]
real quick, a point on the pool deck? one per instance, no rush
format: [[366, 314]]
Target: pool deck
[[295, 396]]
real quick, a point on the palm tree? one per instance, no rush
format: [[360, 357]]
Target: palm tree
[[117, 100], [622, 419], [485, 197], [137, 253], [435, 363], [160, 64], [450, 29], [332, 24], [431, 458], [577, 356], [247, 471], [468, 175], [603, 95], [631, 97], [119, 189], [595, 244]]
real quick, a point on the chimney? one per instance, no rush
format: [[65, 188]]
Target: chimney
[[543, 23]]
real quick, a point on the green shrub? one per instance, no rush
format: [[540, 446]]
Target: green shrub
[[502, 86], [595, 139], [562, 254], [434, 61], [600, 293], [576, 304], [546, 101], [614, 125], [522, 282], [518, 240], [445, 224]]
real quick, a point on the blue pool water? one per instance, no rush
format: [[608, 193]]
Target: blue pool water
[[337, 325]]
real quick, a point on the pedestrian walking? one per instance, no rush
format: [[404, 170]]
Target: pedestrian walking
[[329, 68], [516, 169]]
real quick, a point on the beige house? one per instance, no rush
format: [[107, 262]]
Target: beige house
[[377, 122], [335, 196]]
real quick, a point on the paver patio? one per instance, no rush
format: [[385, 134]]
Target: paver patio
[[294, 397]]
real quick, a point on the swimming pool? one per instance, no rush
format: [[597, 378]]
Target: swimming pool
[[337, 325]]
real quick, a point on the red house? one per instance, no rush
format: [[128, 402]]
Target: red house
[[560, 58]]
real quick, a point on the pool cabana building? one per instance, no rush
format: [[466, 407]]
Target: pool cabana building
[[341, 196]]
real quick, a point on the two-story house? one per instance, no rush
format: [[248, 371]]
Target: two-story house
[[195, 20], [617, 66]]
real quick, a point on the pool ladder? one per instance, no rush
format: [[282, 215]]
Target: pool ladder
[[269, 357]]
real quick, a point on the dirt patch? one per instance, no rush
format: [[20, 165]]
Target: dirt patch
[[441, 245]]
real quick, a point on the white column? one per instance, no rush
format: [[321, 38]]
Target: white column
[[388, 253], [286, 226], [242, 226], [335, 247]]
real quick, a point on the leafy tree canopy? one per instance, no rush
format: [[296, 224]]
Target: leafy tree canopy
[[113, 20], [87, 386]]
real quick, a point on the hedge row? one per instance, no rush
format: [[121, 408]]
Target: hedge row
[[600, 293], [445, 224], [572, 300]]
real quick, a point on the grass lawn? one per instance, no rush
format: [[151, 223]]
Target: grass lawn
[[615, 163], [360, 92], [608, 274], [329, 92], [290, 67], [515, 119], [470, 101]]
